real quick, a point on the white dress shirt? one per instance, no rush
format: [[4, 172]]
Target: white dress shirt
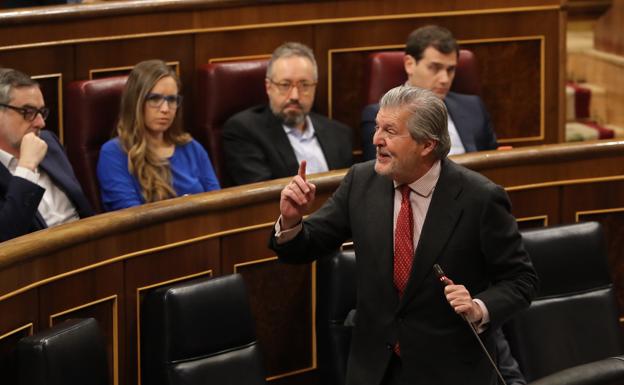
[[307, 147], [457, 147], [422, 190]]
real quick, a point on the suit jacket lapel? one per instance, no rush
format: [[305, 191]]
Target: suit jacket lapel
[[59, 176], [381, 215], [41, 223], [60, 180], [460, 119], [439, 225], [5, 177], [280, 139]]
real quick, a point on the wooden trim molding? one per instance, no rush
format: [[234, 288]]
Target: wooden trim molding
[[115, 321], [579, 214], [59, 92], [29, 326], [7, 17], [92, 72], [543, 218]]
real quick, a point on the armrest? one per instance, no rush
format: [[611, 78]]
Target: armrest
[[609, 371]]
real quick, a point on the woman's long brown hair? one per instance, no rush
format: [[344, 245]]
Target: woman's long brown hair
[[152, 172]]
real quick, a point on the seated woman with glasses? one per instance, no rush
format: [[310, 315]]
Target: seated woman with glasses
[[152, 158]]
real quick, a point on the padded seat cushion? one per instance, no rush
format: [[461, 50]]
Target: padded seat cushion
[[70, 353]]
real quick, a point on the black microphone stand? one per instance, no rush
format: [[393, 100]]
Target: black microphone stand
[[442, 277]]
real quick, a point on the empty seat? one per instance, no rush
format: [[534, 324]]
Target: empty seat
[[225, 89], [70, 353], [574, 319], [336, 298], [199, 332], [609, 371]]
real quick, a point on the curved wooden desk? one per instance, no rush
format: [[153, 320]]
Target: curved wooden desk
[[101, 266]]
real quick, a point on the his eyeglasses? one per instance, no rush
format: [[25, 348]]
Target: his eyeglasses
[[303, 87], [29, 113], [156, 100]]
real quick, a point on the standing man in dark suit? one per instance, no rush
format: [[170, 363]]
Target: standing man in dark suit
[[409, 209], [269, 141], [430, 61], [38, 188], [431, 54]]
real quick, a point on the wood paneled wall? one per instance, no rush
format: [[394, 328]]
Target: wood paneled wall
[[103, 265], [608, 30], [519, 46]]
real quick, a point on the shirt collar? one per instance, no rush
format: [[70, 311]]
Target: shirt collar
[[307, 133], [425, 185], [8, 160]]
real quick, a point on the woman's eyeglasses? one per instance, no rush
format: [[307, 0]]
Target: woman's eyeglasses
[[156, 100]]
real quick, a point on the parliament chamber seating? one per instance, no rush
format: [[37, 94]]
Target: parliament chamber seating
[[609, 371], [336, 297], [69, 353], [92, 108], [224, 89], [573, 321], [574, 318], [385, 70], [199, 332]]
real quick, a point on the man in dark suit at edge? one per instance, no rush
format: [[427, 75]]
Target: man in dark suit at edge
[[269, 141], [407, 330], [430, 62], [38, 188]]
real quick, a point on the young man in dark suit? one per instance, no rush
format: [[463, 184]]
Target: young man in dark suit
[[269, 141], [430, 61], [409, 209], [38, 188]]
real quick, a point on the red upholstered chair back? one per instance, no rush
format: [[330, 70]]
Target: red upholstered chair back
[[91, 108], [385, 70], [225, 89]]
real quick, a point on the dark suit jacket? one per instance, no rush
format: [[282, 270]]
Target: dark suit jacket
[[257, 148], [19, 198], [468, 230], [468, 113]]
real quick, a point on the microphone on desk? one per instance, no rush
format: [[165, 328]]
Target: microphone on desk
[[445, 281]]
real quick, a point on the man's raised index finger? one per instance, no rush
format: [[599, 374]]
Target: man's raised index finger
[[302, 170]]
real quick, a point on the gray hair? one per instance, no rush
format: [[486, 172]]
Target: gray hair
[[428, 118], [290, 49], [10, 79]]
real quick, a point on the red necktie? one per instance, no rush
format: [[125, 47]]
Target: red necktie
[[403, 241], [403, 246]]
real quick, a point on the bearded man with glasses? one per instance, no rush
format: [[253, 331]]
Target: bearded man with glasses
[[269, 141], [38, 188]]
